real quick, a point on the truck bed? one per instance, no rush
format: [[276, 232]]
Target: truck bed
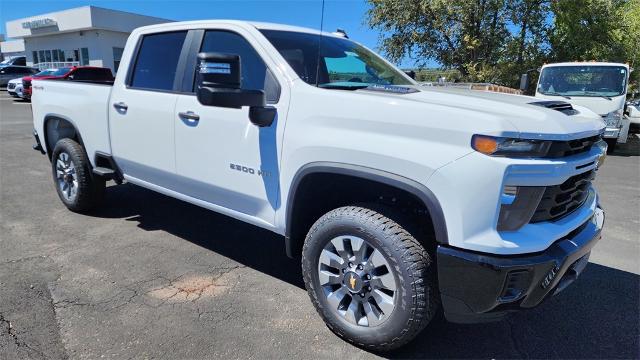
[[82, 103]]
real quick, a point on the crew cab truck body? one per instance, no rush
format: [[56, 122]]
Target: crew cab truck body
[[398, 199]]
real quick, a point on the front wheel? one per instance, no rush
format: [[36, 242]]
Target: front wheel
[[77, 187], [371, 281]]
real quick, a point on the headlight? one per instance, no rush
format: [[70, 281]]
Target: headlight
[[501, 146], [613, 118]]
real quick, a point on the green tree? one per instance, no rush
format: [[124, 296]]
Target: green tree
[[459, 34], [603, 30], [485, 40]]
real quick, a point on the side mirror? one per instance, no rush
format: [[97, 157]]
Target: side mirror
[[524, 81], [218, 83]]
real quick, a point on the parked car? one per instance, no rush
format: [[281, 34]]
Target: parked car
[[398, 199], [16, 60], [15, 88], [77, 73], [633, 113], [11, 72]]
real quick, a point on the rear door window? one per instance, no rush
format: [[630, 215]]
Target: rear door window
[[157, 61]]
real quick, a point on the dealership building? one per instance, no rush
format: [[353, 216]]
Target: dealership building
[[86, 35]]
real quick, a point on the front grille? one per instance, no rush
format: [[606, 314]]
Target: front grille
[[561, 200], [11, 86], [571, 147]]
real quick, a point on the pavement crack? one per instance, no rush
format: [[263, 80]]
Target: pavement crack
[[13, 335]]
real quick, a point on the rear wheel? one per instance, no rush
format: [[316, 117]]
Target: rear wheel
[[371, 281], [77, 187]]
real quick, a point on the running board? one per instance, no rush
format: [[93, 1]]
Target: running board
[[108, 174]]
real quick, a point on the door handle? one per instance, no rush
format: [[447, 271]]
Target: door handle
[[189, 115], [120, 106]]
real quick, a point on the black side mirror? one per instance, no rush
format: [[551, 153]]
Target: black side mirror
[[218, 83], [524, 81]]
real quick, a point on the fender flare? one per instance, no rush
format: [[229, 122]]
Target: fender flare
[[45, 129], [415, 188]]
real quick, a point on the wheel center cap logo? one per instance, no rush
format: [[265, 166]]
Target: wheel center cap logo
[[353, 281]]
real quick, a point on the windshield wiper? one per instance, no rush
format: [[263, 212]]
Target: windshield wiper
[[342, 86], [592, 93]]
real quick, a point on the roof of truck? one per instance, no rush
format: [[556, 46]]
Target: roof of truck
[[256, 24], [583, 63]]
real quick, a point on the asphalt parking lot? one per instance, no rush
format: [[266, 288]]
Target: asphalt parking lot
[[148, 276]]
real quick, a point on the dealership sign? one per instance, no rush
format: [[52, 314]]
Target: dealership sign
[[40, 23]]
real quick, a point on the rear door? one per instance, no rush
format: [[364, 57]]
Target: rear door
[[221, 157], [141, 110]]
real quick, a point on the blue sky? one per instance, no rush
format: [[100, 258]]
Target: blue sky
[[346, 14]]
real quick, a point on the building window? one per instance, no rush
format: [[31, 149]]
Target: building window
[[35, 57], [47, 55], [85, 56], [117, 56]]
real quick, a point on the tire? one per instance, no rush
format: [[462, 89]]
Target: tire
[[414, 293], [77, 187], [611, 145]]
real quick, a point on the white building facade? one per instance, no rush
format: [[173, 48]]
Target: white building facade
[[87, 35]]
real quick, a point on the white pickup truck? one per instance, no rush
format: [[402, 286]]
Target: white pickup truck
[[400, 201]]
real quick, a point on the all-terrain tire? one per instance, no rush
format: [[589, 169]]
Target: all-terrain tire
[[84, 190], [417, 299]]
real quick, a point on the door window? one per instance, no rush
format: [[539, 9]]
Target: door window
[[254, 72], [157, 61]]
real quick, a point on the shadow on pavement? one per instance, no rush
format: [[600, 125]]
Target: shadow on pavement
[[596, 317]]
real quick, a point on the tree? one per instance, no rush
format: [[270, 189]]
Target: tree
[[486, 40], [605, 30], [587, 30], [459, 34]]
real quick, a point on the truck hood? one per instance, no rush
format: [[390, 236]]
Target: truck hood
[[599, 105], [517, 115]]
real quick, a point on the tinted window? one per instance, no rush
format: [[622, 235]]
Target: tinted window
[[157, 61], [93, 74], [21, 61], [253, 70]]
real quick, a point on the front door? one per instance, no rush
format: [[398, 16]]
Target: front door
[[141, 111], [221, 157]]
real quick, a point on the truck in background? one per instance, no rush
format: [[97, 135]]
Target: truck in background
[[598, 86]]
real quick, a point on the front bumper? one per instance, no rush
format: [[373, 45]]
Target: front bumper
[[478, 287]]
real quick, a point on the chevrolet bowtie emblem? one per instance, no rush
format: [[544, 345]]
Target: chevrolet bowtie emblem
[[352, 282]]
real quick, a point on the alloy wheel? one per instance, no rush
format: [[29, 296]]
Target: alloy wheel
[[357, 281]]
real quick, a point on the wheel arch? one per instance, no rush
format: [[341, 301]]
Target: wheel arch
[[58, 127], [423, 194]]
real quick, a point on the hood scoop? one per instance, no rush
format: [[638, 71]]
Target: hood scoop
[[563, 107]]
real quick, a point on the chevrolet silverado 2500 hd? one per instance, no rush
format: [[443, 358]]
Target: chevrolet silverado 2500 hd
[[399, 200]]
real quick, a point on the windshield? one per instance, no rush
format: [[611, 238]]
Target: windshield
[[61, 72], [44, 73], [583, 81], [343, 63]]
